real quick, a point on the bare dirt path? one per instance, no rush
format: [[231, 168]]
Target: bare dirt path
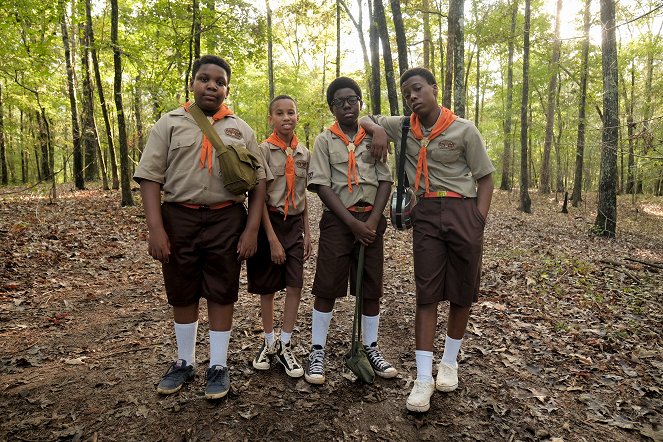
[[564, 344]]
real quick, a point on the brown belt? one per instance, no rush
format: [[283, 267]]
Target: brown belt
[[208, 206], [360, 209], [442, 194]]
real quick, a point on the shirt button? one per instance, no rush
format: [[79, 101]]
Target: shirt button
[[204, 187]]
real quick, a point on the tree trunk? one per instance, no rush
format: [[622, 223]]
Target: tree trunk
[[270, 46], [374, 43], [378, 10], [125, 179], [576, 195], [25, 159], [525, 201], [630, 175], [459, 57], [102, 99], [449, 68], [425, 6], [560, 184], [358, 24], [606, 217], [506, 156], [197, 29], [442, 49], [140, 143], [401, 44], [3, 148], [79, 178], [338, 39], [544, 188]]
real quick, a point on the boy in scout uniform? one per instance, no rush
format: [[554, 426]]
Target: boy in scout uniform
[[201, 232], [284, 239], [451, 173], [354, 189]]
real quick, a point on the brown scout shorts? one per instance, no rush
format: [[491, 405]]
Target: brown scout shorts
[[337, 259], [203, 253], [448, 240], [264, 276]]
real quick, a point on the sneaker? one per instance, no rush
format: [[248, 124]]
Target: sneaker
[[284, 355], [315, 370], [218, 382], [447, 377], [380, 366], [262, 361], [419, 398], [178, 373]]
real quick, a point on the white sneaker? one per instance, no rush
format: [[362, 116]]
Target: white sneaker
[[262, 361], [419, 398], [447, 377]]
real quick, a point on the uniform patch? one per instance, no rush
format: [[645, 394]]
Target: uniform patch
[[446, 144], [232, 132], [310, 175], [301, 164]]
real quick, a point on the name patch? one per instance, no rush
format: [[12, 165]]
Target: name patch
[[234, 133], [446, 144], [301, 164]]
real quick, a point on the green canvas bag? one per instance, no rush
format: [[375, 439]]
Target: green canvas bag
[[238, 165], [356, 359]]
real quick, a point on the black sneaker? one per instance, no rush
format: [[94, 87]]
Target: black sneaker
[[381, 367], [315, 369], [264, 356], [178, 373], [284, 355], [218, 382]]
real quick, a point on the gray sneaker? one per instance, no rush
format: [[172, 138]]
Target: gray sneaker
[[178, 373], [218, 382]]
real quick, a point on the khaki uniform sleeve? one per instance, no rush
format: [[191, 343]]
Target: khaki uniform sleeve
[[393, 126], [476, 154], [154, 159], [319, 172]]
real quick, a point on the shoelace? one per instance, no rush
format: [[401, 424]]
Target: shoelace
[[175, 371], [376, 357], [215, 374], [289, 358], [316, 361]]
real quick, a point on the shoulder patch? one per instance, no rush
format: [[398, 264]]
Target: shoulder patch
[[446, 144], [233, 132]]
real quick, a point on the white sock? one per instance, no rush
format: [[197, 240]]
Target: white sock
[[269, 337], [285, 337], [451, 349], [424, 365], [218, 347], [320, 327], [185, 335], [369, 328]]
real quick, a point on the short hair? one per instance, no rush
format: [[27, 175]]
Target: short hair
[[210, 59], [280, 97], [341, 83], [422, 72]]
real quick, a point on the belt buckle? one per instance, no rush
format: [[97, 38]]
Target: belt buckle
[[203, 207]]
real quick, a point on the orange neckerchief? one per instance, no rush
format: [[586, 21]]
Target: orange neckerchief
[[289, 167], [443, 122], [352, 160], [207, 151]]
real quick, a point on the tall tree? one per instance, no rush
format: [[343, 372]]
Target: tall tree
[[525, 201], [3, 148], [401, 45], [378, 10], [338, 39], [102, 99], [125, 179], [506, 157], [79, 177], [270, 49], [358, 24], [544, 187], [138, 115], [630, 125], [449, 67], [576, 195], [374, 42], [459, 56], [606, 215], [425, 12]]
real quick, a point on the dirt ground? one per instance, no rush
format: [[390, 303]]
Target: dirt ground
[[565, 343]]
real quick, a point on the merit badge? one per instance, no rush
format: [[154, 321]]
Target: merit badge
[[446, 144]]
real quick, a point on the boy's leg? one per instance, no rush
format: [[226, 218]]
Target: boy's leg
[[425, 324], [322, 314], [283, 349], [182, 370], [447, 370], [267, 348], [370, 322], [220, 323]]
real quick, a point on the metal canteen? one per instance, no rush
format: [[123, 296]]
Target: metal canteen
[[402, 220]]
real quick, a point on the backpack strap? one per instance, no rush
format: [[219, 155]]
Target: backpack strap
[[402, 178]]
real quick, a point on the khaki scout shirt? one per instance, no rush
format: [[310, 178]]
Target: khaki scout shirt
[[275, 159], [329, 167], [172, 158], [456, 158]]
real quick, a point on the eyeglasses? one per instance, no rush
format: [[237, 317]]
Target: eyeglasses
[[351, 100]]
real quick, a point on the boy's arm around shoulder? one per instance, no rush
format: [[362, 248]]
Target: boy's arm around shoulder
[[379, 147], [158, 244]]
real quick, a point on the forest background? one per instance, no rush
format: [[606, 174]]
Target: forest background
[[81, 82]]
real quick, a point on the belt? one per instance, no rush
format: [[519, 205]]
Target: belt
[[360, 209], [275, 209], [206, 206], [442, 194]]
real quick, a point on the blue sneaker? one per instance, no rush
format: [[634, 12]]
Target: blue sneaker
[[218, 382], [178, 373]]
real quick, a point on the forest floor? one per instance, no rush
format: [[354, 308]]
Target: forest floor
[[565, 343]]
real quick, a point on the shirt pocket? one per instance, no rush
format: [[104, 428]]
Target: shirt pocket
[[180, 147], [445, 156], [366, 166]]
